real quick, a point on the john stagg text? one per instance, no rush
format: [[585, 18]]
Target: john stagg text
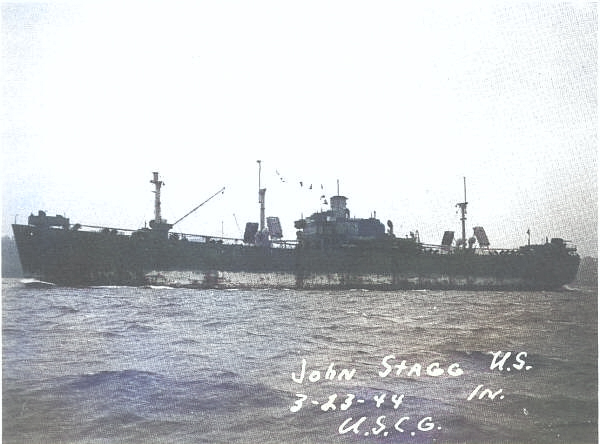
[[389, 366]]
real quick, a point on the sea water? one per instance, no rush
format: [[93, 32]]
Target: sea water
[[150, 365]]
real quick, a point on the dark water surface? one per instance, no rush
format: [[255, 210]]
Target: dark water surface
[[116, 365]]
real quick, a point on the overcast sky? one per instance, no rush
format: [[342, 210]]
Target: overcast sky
[[398, 101]]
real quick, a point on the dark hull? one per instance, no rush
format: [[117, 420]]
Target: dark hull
[[84, 258]]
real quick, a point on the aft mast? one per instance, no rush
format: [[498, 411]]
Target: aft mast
[[463, 213]]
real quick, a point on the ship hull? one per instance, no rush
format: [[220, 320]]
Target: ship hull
[[83, 258], [86, 258], [388, 268]]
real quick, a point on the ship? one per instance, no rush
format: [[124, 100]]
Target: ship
[[332, 250]]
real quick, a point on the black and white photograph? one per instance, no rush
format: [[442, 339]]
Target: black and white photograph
[[318, 222]]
